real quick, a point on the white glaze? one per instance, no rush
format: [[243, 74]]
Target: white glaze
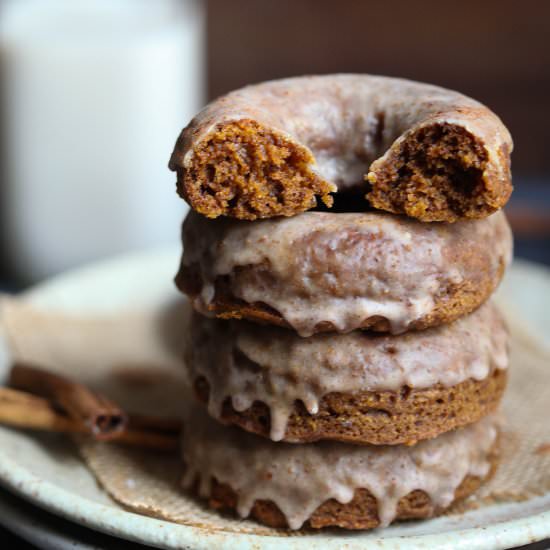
[[299, 478], [248, 363], [342, 268], [347, 121]]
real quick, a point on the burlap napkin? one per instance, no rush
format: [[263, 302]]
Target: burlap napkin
[[135, 358]]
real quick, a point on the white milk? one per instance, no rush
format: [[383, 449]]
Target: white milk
[[93, 96]]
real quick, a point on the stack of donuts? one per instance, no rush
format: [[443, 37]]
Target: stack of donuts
[[344, 240]]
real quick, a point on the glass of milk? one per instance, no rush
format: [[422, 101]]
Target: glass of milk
[[93, 95]]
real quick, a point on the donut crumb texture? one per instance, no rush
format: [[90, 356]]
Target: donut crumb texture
[[249, 172], [438, 173]]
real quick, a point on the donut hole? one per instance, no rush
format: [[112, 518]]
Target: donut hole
[[346, 202], [246, 171], [435, 175]]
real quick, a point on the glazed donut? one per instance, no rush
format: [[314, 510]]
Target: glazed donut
[[321, 271], [330, 484], [358, 387], [273, 148]]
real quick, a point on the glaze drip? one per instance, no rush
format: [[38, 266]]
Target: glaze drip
[[247, 363], [299, 478], [317, 268]]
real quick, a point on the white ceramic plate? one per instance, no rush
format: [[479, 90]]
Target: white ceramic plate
[[45, 470]]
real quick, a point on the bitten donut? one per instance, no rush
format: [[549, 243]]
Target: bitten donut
[[272, 149], [331, 484], [321, 271], [358, 387]]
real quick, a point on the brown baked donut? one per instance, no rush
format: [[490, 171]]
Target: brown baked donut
[[321, 271], [359, 387], [329, 484], [360, 513], [273, 148]]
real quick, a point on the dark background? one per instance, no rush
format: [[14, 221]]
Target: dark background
[[495, 51]]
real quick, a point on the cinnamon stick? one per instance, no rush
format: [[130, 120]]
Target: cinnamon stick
[[28, 411], [101, 417], [155, 423]]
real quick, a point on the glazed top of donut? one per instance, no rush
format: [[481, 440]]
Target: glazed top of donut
[[272, 148], [320, 269]]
